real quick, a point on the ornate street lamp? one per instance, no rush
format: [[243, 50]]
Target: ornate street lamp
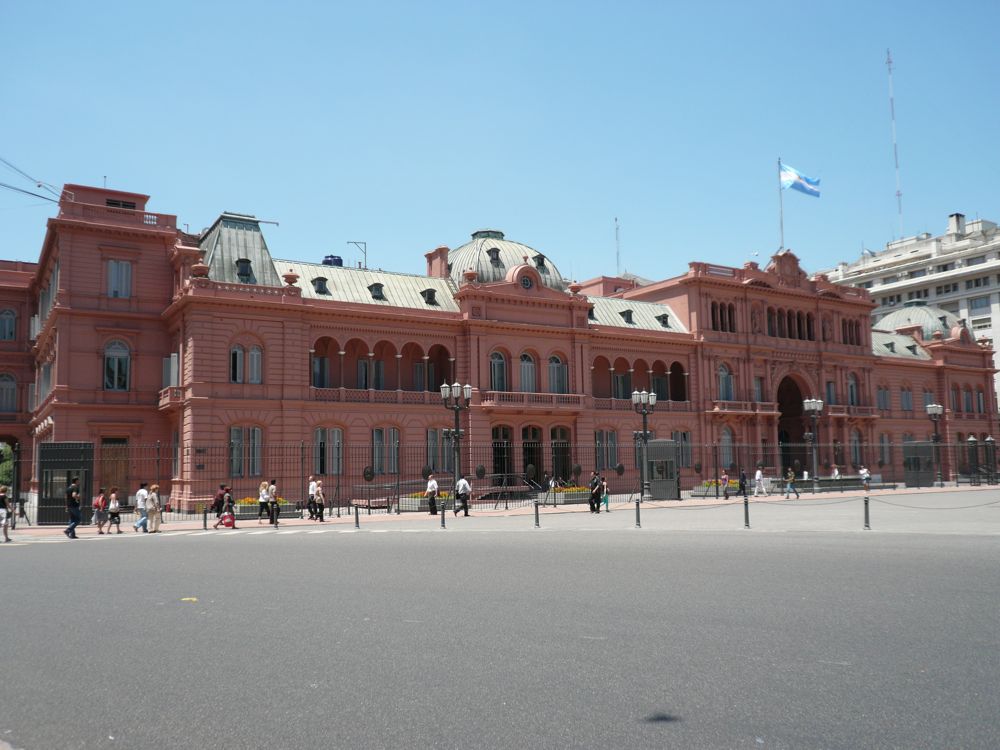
[[813, 407], [455, 397], [644, 403], [934, 411]]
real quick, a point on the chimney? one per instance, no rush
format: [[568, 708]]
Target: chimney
[[956, 225], [437, 262]]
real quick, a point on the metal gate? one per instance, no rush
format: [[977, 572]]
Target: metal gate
[[662, 461], [58, 463], [919, 464]]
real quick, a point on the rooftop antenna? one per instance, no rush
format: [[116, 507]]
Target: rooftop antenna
[[895, 149], [618, 253], [363, 247]]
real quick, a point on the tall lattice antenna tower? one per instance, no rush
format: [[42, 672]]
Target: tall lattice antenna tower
[[895, 148]]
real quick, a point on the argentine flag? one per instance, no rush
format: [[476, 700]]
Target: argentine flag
[[792, 178]]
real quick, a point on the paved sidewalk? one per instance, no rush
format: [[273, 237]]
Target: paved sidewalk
[[966, 510]]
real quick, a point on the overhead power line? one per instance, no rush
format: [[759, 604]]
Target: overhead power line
[[25, 175], [27, 192]]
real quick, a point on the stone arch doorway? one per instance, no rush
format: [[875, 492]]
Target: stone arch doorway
[[791, 429]]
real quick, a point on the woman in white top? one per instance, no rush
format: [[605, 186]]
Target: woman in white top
[[262, 502], [114, 510]]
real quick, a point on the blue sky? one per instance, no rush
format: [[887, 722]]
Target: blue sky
[[410, 125]]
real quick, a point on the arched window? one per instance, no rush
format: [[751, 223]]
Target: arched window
[[236, 364], [715, 316], [811, 326], [116, 366], [256, 365], [726, 448], [771, 329], [857, 459], [732, 318], [956, 404], [968, 400], [528, 374], [8, 321], [801, 325], [498, 372], [725, 384], [8, 393], [852, 390], [980, 401], [558, 375]]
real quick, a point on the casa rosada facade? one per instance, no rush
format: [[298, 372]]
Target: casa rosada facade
[[129, 332]]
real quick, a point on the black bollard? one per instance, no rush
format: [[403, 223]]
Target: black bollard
[[204, 518], [444, 512], [867, 525], [638, 524], [537, 524], [746, 512], [357, 518]]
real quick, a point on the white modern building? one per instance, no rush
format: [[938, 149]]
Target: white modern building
[[958, 272]]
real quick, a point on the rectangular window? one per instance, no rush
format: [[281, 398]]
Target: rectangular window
[[968, 402], [256, 359], [758, 388], [328, 451], [979, 303], [621, 383], [379, 379], [831, 392], [884, 450], [236, 451], [980, 402], [7, 321], [918, 273], [363, 383], [236, 364], [385, 450], [683, 440], [942, 267], [906, 399], [254, 452], [419, 384], [606, 446], [975, 261], [321, 372], [119, 278]]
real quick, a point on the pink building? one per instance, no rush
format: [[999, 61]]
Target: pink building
[[196, 359]]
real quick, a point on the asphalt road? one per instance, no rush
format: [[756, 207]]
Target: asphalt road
[[585, 633]]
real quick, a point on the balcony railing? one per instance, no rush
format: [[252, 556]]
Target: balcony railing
[[532, 400], [369, 396], [625, 404], [122, 216], [861, 411], [171, 398]]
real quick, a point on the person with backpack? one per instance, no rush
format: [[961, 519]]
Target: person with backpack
[[790, 483], [100, 507], [114, 511]]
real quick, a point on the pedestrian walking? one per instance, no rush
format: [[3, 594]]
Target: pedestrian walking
[[758, 483], [6, 511], [605, 495], [114, 511], [595, 492], [154, 509], [724, 481], [866, 479], [311, 506], [140, 508], [320, 500], [790, 483], [263, 504], [227, 510], [272, 499], [73, 507], [431, 494], [553, 483], [742, 488], [100, 508], [218, 502], [463, 491]]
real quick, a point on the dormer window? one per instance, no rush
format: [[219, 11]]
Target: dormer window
[[891, 347], [376, 290], [494, 253], [627, 316], [912, 348], [664, 320], [319, 285], [591, 315], [244, 271], [429, 296], [540, 263]]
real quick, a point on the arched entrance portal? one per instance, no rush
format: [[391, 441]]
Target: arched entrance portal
[[791, 431]]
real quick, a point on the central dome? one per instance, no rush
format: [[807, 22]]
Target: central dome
[[931, 319], [491, 257]]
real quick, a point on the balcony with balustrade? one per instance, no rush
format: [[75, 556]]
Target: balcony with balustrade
[[117, 216], [520, 401], [171, 399]]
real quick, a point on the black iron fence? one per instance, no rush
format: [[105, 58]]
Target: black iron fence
[[392, 477]]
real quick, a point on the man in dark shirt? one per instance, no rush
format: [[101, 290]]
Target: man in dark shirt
[[73, 507], [595, 493]]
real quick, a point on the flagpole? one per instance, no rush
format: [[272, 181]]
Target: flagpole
[[781, 209]]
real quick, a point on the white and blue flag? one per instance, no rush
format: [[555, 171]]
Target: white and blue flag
[[792, 178]]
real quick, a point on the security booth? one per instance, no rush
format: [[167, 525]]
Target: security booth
[[58, 463], [662, 469], [919, 458]]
